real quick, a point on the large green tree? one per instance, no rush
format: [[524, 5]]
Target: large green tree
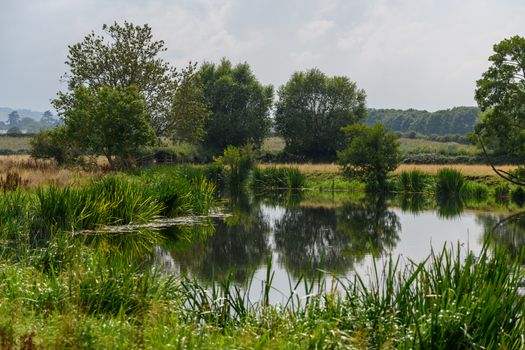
[[130, 56], [311, 110], [372, 152], [108, 122], [239, 104], [500, 94]]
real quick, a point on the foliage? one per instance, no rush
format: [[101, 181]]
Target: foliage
[[13, 119], [238, 162], [239, 105], [274, 178], [371, 153], [14, 130], [517, 195], [109, 122], [52, 144], [190, 111], [130, 57], [311, 110], [457, 120], [500, 94]]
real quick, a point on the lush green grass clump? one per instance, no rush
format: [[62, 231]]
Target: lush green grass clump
[[449, 182], [274, 178], [414, 181]]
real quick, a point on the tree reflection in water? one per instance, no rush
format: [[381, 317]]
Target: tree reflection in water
[[308, 239], [238, 247], [506, 232]]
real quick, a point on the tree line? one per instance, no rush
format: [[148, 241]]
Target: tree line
[[122, 96], [457, 120], [17, 124]]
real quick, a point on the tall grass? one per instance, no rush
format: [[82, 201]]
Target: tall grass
[[449, 182], [414, 181], [275, 178]]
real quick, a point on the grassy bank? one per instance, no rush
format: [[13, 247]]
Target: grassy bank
[[72, 294]]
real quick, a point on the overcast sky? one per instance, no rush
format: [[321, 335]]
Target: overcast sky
[[424, 54]]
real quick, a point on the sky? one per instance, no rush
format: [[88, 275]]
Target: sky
[[423, 54]]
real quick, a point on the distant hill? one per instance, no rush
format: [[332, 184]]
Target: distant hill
[[24, 113], [457, 120]]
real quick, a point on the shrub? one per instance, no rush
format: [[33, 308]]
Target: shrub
[[238, 163], [517, 195]]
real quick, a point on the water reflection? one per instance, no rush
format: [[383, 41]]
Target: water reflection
[[238, 246], [505, 232], [449, 207]]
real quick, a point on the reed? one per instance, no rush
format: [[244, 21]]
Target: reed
[[414, 181], [276, 178], [449, 182]]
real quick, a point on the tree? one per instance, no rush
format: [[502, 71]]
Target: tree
[[14, 130], [500, 94], [13, 118], [311, 110], [371, 153], [239, 104], [130, 57], [47, 121], [109, 122]]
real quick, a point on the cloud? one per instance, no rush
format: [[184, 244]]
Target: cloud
[[314, 30]]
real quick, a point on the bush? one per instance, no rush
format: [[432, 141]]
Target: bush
[[517, 195], [52, 144], [238, 163]]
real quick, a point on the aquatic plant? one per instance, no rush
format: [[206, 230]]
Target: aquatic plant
[[449, 182], [275, 178], [412, 181]]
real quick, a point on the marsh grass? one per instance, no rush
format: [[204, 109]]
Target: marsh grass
[[275, 178], [449, 182], [414, 181]]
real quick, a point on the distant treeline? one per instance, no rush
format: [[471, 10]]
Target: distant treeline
[[458, 120]]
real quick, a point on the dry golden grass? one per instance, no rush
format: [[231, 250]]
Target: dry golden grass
[[466, 169], [41, 172]]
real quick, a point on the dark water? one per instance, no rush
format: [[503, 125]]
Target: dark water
[[320, 241]]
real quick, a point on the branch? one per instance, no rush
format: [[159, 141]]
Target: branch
[[501, 173]]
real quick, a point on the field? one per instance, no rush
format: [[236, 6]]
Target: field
[[275, 144], [418, 146], [14, 144], [469, 170]]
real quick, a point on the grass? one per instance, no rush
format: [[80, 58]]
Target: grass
[[94, 291], [419, 146], [94, 298], [274, 178], [15, 144]]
